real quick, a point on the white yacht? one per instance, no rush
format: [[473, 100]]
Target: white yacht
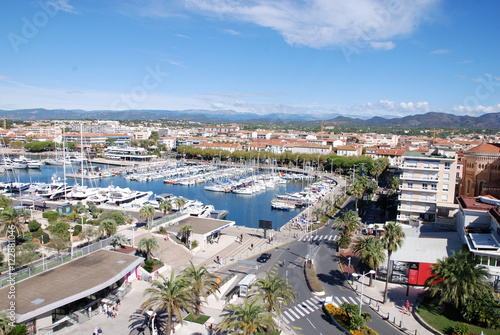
[[120, 196], [206, 211]]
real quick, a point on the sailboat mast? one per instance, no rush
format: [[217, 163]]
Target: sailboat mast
[[81, 149], [64, 167]]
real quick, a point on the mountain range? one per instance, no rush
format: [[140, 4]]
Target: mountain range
[[428, 120]]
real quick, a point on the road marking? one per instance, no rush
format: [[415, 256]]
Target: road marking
[[304, 309], [311, 323], [313, 305], [299, 311], [330, 237], [293, 313], [288, 316], [353, 300], [298, 328], [344, 298], [307, 307]]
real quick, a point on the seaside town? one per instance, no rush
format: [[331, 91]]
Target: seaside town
[[110, 259], [251, 167]]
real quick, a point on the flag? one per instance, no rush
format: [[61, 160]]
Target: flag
[[42, 240]]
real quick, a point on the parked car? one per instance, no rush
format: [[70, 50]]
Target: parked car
[[263, 258]]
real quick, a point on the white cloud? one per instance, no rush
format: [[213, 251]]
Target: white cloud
[[183, 36], [460, 76], [3, 78], [465, 62], [440, 52], [326, 23], [231, 32], [383, 45], [62, 5], [173, 62], [476, 110]]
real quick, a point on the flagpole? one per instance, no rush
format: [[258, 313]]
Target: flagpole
[[43, 257]]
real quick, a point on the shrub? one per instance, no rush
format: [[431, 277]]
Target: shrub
[[51, 216], [194, 244], [162, 230], [461, 329], [148, 265], [114, 215], [77, 229], [33, 225]]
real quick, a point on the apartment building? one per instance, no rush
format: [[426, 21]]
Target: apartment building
[[427, 189]]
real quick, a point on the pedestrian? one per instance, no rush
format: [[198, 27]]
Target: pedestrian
[[90, 312], [251, 246], [241, 237], [100, 309], [407, 305], [99, 331], [95, 331], [118, 302]]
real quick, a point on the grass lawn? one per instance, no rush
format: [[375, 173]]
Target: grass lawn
[[201, 320], [445, 319]]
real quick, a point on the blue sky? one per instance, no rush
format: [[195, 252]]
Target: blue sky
[[357, 58]]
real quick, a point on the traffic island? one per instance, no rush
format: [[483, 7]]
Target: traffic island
[[312, 279]]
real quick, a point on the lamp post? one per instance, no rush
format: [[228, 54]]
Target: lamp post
[[133, 235], [349, 267], [71, 230], [362, 285]]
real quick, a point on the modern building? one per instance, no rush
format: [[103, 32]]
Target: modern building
[[478, 224], [61, 296], [427, 189], [127, 153], [481, 171]]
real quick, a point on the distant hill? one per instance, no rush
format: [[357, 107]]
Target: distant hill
[[428, 120]]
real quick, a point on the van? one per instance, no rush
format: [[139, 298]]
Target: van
[[245, 283]]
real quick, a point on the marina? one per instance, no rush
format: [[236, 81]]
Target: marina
[[118, 189]]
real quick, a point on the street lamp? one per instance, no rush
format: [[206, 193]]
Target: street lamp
[[349, 267], [133, 235], [71, 230], [362, 285]]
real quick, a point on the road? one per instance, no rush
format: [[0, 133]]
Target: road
[[306, 316]]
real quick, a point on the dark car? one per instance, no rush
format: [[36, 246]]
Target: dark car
[[264, 257]]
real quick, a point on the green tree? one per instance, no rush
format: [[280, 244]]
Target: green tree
[[116, 216], [5, 323], [394, 182], [89, 233], [201, 282], [107, 227], [349, 222], [186, 232], [118, 240], [180, 202], [11, 221], [273, 289], [371, 252], [345, 240], [79, 207], [170, 296], [165, 206], [457, 279], [392, 239], [59, 228], [59, 243], [148, 245], [147, 212], [248, 318], [5, 202]]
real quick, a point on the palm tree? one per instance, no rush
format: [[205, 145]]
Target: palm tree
[[329, 206], [371, 252], [248, 318], [358, 191], [165, 206], [349, 222], [108, 226], [201, 283], [180, 202], [79, 207], [273, 289], [458, 278], [118, 240], [170, 296], [345, 240], [5, 323], [148, 245], [10, 221], [147, 212], [185, 232], [392, 239]]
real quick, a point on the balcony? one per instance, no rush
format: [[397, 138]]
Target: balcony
[[419, 178], [419, 167], [415, 209], [417, 189], [417, 199]]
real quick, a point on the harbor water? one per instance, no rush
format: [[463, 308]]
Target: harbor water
[[245, 210]]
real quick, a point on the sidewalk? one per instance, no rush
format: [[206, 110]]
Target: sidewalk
[[373, 296]]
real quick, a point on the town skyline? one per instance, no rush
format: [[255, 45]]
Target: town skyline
[[374, 58]]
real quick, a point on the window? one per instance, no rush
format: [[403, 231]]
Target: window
[[447, 165], [445, 187], [484, 260], [424, 186], [422, 207], [444, 197], [410, 185], [435, 165], [426, 165], [408, 205], [468, 187], [434, 187], [432, 197], [425, 175], [446, 176], [423, 197], [410, 174]]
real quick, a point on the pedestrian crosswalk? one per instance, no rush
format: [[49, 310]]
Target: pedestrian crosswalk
[[318, 238], [308, 306]]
